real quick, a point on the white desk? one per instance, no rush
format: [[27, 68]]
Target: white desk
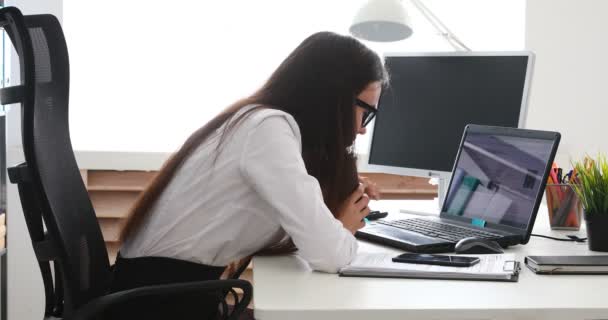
[[286, 288]]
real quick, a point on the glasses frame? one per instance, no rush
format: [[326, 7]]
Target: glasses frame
[[369, 114]]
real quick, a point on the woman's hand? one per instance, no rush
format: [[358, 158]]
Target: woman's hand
[[354, 209], [370, 188]]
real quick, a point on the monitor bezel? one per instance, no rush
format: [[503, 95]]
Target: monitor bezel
[[445, 175], [555, 137]]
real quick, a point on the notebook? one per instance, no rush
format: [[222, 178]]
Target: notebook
[[497, 185], [497, 267], [568, 264]]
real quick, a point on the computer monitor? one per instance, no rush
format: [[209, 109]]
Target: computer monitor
[[433, 96]]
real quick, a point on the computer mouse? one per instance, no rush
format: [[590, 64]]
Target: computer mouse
[[474, 245]]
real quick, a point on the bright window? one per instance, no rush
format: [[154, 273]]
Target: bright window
[[145, 74]]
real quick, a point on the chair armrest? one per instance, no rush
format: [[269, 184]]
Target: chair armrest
[[97, 306]]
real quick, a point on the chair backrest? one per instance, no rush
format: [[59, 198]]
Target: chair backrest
[[50, 184]]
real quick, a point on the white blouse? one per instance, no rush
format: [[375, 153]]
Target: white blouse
[[255, 193]]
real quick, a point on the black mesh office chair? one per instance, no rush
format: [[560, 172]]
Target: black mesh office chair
[[60, 217]]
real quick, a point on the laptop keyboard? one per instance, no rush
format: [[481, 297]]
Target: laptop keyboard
[[438, 230]]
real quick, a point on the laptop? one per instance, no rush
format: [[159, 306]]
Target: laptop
[[495, 190]]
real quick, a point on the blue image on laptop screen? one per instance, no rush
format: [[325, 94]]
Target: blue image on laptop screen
[[497, 178]]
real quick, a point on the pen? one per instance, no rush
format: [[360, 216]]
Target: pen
[[553, 175], [573, 179], [567, 177], [563, 212]]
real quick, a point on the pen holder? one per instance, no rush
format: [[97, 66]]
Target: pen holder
[[565, 209]]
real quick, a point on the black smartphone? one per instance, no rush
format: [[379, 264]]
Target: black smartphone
[[375, 215], [435, 259]]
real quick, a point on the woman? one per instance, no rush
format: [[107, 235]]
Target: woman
[[272, 173]]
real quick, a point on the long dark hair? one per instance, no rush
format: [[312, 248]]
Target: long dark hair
[[316, 84]]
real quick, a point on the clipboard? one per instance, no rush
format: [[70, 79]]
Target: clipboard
[[498, 267]]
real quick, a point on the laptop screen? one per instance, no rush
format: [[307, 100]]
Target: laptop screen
[[497, 178]]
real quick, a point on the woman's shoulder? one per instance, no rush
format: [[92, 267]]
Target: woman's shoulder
[[269, 118], [260, 113]]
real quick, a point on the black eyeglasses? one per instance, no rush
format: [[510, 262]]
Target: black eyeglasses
[[368, 114]]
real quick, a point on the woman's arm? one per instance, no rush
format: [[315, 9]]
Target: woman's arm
[[272, 163]]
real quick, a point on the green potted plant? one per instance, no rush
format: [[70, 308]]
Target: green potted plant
[[591, 186]]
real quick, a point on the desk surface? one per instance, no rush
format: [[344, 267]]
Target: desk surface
[[286, 288]]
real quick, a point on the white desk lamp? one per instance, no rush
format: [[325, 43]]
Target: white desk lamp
[[387, 20]]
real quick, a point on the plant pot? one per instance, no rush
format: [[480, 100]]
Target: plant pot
[[597, 231]]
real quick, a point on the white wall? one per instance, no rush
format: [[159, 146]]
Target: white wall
[[570, 81], [170, 66], [24, 286]]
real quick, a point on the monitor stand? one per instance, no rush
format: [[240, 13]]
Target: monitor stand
[[442, 190], [442, 184]]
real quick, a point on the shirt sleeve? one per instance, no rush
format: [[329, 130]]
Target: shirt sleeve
[[272, 163]]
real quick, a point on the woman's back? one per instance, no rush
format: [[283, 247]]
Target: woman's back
[[218, 210]]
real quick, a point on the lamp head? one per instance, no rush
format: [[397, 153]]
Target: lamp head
[[381, 21]]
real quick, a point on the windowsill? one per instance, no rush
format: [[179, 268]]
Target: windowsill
[[121, 160], [391, 186]]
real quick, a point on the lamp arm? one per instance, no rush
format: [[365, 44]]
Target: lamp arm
[[441, 28]]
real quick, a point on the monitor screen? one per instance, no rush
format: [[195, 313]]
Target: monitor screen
[[497, 178], [432, 98]]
